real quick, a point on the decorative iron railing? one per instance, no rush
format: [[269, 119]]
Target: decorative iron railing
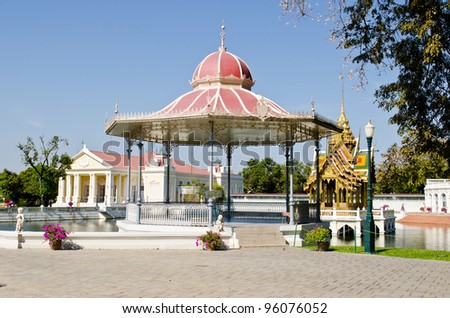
[[253, 211], [192, 214], [174, 214]]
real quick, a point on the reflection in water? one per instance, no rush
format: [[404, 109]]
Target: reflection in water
[[71, 226], [430, 237]]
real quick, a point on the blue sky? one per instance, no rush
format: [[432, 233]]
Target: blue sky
[[63, 63]]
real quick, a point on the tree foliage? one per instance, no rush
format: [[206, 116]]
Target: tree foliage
[[22, 188], [47, 164], [10, 186], [404, 170], [267, 176], [412, 37]]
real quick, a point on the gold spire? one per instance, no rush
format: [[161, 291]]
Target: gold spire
[[346, 136], [342, 119]]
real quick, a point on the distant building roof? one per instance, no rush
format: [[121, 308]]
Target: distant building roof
[[121, 162]]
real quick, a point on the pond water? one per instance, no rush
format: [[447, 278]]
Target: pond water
[[432, 237], [72, 226]]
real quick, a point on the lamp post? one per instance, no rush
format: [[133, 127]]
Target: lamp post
[[369, 235]]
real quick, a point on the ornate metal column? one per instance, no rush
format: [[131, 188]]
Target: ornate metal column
[[211, 145], [287, 154], [316, 142], [369, 231], [139, 198], [129, 145], [229, 151], [211, 201], [167, 155], [291, 184]]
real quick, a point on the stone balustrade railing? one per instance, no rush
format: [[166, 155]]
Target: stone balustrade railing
[[356, 214]]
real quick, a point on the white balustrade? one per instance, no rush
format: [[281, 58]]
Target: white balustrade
[[174, 214], [197, 214]]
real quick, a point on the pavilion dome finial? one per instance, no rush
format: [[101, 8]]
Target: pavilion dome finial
[[222, 67], [222, 38]]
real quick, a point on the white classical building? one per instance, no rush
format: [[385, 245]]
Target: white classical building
[[437, 193], [100, 179]]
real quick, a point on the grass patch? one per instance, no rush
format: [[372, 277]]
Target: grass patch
[[393, 252]]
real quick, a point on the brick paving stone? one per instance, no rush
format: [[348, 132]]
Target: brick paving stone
[[247, 272]]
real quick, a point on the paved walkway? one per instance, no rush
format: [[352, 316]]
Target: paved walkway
[[248, 272], [426, 218]]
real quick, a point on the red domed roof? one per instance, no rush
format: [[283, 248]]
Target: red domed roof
[[222, 100], [223, 67], [222, 86]]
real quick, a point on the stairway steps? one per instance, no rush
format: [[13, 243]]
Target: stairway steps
[[259, 236]]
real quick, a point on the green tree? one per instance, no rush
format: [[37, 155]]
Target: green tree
[[267, 176], [30, 194], [22, 188], [260, 176], [411, 37], [48, 165], [223, 197], [301, 174], [404, 170], [10, 186]]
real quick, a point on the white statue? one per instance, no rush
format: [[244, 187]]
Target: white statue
[[20, 219], [219, 223]]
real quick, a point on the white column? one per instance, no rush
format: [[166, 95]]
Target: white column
[[119, 189], [76, 190], [61, 190], [94, 188], [92, 181], [109, 188], [435, 202], [68, 188]]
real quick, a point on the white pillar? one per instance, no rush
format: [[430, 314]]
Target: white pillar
[[119, 189], [124, 188], [92, 188], [76, 190], [109, 188], [61, 191], [68, 188]]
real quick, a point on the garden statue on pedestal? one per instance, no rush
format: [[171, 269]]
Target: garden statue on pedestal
[[219, 223], [20, 219]]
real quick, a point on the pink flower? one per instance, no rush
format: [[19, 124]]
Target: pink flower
[[54, 232]]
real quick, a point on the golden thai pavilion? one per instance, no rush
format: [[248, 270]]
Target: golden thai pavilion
[[342, 171]]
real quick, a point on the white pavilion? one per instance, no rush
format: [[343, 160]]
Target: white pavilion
[[98, 179], [437, 193]]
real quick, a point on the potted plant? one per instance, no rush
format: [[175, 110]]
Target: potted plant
[[55, 234], [320, 236], [209, 241]]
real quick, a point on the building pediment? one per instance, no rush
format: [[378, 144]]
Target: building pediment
[[86, 160]]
